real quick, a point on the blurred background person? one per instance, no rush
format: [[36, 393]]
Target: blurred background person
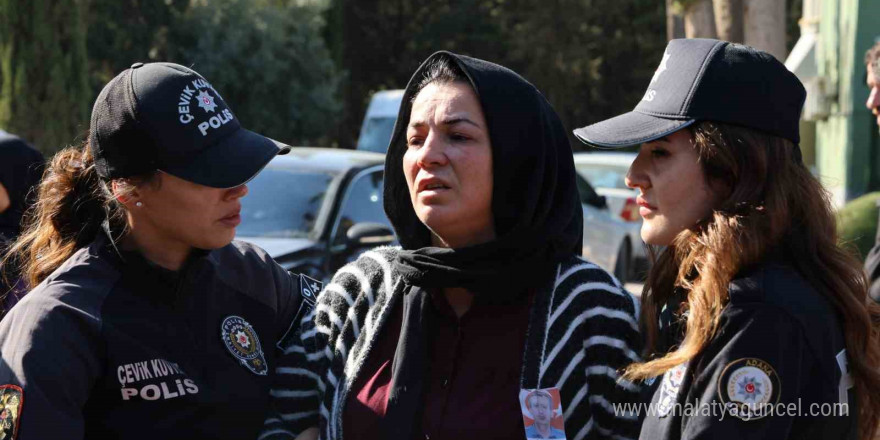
[[872, 71], [21, 167]]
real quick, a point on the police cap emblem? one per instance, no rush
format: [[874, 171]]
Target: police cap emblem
[[242, 342]]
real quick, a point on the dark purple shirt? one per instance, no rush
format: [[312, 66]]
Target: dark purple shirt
[[473, 387]]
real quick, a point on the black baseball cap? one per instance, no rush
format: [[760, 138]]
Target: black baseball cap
[[164, 116], [703, 79]]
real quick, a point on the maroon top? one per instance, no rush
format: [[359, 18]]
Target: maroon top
[[473, 388]]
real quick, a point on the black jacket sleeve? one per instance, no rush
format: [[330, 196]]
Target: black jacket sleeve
[[759, 357], [51, 360]]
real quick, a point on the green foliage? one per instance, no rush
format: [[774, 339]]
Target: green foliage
[[44, 92], [857, 223], [122, 32], [268, 60], [591, 58]]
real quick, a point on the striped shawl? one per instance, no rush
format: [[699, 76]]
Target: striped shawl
[[582, 331]]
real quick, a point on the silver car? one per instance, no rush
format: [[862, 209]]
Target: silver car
[[606, 171], [606, 237]]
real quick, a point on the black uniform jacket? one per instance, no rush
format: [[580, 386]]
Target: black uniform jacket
[[775, 369], [111, 346]]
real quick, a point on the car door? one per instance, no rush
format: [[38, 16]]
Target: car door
[[602, 234], [361, 203]]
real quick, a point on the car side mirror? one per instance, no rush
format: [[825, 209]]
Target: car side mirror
[[369, 234]]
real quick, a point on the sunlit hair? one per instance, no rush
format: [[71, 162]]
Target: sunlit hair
[[71, 206], [771, 203]]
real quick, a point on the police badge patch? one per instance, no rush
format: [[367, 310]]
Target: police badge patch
[[669, 387], [241, 340], [748, 388], [11, 399]]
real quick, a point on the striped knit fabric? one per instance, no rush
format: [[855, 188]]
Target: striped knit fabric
[[582, 331]]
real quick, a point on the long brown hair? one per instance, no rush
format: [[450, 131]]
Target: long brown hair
[[71, 206], [771, 202]]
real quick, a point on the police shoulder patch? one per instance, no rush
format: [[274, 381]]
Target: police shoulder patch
[[243, 343], [748, 388], [309, 287], [669, 388], [11, 401]]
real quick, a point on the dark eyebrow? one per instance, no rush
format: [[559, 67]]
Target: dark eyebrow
[[661, 139], [450, 121], [460, 120]]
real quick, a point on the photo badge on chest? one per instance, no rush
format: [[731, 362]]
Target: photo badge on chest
[[242, 342], [542, 413]]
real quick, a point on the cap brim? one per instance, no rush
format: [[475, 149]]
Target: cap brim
[[631, 128], [233, 161]]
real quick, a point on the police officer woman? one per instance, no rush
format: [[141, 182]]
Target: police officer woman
[[757, 322], [145, 319]]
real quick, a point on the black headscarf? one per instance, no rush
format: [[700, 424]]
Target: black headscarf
[[536, 208], [535, 202], [21, 167]]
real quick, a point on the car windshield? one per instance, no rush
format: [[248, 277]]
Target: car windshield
[[376, 134], [283, 203], [604, 176]]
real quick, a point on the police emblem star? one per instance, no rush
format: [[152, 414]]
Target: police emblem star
[[242, 342]]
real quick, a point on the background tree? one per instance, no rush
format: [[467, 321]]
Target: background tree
[[591, 58], [674, 22], [765, 26], [122, 32], [267, 57], [270, 62], [699, 18], [729, 19], [44, 86]]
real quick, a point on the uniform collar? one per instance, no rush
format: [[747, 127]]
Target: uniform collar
[[162, 282]]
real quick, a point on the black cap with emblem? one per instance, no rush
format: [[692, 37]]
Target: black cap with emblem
[[163, 116], [703, 79]]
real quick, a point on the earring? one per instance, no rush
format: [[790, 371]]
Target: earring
[[139, 204]]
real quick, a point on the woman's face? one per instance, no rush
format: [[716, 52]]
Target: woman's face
[[674, 193], [180, 214], [448, 165]]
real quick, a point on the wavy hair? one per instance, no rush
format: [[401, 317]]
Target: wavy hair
[[771, 202], [71, 206]]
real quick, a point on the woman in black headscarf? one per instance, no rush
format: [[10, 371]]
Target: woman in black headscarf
[[487, 308]]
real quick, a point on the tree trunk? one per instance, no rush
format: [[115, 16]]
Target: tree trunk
[[765, 26], [674, 22], [699, 20], [729, 19]]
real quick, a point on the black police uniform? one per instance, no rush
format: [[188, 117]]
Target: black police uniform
[[111, 346], [779, 342]]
